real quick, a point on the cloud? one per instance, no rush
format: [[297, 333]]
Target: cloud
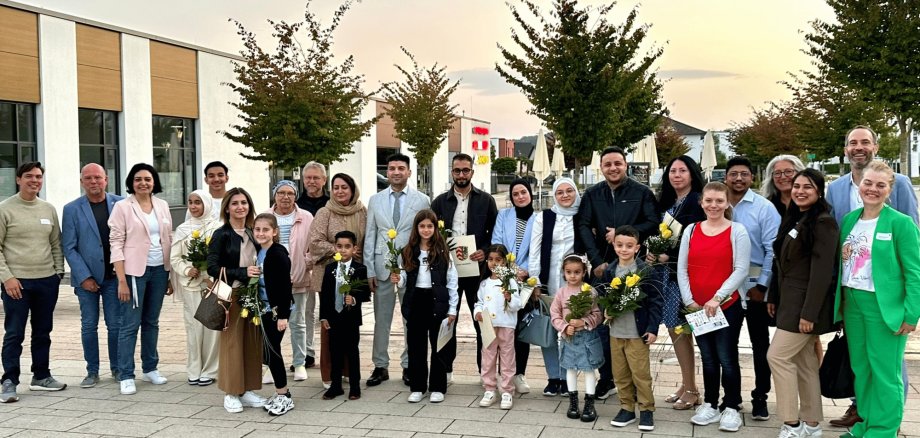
[[485, 81], [690, 74]]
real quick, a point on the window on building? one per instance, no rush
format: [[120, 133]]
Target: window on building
[[17, 143], [174, 157], [99, 143]]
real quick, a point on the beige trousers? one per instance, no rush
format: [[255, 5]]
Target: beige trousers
[[202, 343], [794, 365], [632, 373]]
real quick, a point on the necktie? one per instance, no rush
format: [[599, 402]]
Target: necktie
[[396, 212], [339, 299]]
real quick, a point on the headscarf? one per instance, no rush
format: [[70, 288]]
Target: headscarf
[[523, 213], [566, 211], [349, 212], [204, 223], [282, 183]]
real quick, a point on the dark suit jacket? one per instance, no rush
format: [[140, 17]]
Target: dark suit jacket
[[327, 293], [634, 205], [480, 217], [803, 284]]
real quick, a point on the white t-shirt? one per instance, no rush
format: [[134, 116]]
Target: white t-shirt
[[423, 281], [155, 255], [857, 256]]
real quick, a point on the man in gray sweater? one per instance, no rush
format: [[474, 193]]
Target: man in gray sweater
[[31, 267]]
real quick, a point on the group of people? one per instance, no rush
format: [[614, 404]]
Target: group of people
[[795, 256]]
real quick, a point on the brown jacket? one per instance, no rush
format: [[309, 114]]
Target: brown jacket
[[804, 282], [322, 242]]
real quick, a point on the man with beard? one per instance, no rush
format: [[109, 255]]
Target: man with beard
[[314, 195], [761, 220], [843, 195], [466, 210]]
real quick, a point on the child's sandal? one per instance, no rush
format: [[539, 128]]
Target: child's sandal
[[688, 400]]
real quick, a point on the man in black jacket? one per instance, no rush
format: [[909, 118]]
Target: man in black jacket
[[619, 200], [467, 211]]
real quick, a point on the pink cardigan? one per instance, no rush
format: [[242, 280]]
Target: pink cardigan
[[129, 237], [560, 308], [299, 250]]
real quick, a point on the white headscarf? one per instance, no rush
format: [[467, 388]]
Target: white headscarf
[[204, 223], [566, 211]]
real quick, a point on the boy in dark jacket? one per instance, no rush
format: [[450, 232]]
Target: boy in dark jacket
[[340, 313]]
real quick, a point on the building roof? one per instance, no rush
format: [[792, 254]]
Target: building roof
[[684, 129]]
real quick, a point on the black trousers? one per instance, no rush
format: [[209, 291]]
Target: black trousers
[[422, 332], [271, 350], [758, 326], [343, 343], [521, 349], [468, 287]]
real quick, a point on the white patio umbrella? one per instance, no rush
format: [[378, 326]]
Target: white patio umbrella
[[541, 168], [708, 158], [558, 165], [596, 165], [651, 151]]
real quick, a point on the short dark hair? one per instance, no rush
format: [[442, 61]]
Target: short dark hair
[[399, 157], [462, 157], [27, 167], [216, 164], [129, 180], [739, 161], [345, 234], [613, 150], [628, 231]]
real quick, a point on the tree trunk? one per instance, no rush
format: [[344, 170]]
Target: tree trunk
[[576, 173], [904, 128]]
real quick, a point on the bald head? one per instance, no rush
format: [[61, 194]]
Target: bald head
[[94, 182], [92, 168]]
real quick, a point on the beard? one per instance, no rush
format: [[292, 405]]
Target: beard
[[462, 183]]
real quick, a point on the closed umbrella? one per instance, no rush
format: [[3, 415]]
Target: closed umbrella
[[558, 161], [651, 152], [541, 168], [708, 159]]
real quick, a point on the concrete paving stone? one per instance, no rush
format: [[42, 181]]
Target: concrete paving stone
[[345, 431], [434, 435], [493, 414], [123, 417], [565, 432], [390, 434], [503, 430], [525, 418], [674, 428], [297, 429], [154, 396], [415, 424], [313, 418], [162, 409], [122, 427], [183, 421], [9, 431], [257, 415], [181, 431], [204, 399], [77, 404], [543, 404], [396, 408], [320, 405], [50, 412], [50, 434], [42, 422], [371, 395], [712, 430], [250, 425]]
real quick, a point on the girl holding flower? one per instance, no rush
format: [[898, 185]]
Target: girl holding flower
[[190, 280]]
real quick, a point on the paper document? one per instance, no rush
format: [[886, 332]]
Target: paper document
[[486, 328], [673, 224], [703, 324], [464, 246], [445, 333], [526, 292]]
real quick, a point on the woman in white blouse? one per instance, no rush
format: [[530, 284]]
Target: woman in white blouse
[[558, 226]]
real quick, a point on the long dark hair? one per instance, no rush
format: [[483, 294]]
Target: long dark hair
[[808, 217], [437, 248], [666, 194], [225, 205], [498, 249]]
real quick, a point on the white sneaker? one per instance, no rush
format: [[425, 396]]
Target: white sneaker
[[270, 401], [232, 404], [252, 400], [730, 421], [507, 401], [127, 387], [788, 431], [154, 377], [300, 374], [267, 378], [705, 415], [436, 397], [813, 431], [415, 397], [488, 399], [282, 405], [520, 385]]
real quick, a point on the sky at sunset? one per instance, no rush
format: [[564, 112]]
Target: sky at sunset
[[721, 57]]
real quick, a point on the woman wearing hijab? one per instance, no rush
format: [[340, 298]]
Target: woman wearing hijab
[[344, 211], [545, 262], [189, 282], [513, 229]]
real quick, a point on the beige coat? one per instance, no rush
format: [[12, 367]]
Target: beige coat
[[322, 237]]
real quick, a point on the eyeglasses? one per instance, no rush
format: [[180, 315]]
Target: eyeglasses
[[285, 194], [788, 173], [465, 171], [734, 175]]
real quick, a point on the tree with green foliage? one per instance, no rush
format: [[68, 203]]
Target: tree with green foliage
[[296, 105], [421, 110], [769, 132], [504, 166], [670, 143], [584, 76], [872, 46]]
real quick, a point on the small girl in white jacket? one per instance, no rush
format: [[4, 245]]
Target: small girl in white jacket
[[502, 307]]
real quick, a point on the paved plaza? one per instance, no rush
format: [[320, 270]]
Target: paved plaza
[[179, 410]]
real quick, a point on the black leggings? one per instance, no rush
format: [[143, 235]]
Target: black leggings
[[271, 351]]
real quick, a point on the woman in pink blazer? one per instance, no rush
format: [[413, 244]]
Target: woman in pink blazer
[[140, 238]]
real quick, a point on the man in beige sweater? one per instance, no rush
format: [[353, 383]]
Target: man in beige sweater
[[31, 267]]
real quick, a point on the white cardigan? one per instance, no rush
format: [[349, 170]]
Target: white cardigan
[[492, 300]]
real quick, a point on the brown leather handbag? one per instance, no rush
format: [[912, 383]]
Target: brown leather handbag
[[214, 310]]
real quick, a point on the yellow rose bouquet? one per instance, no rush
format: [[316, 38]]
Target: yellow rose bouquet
[[197, 252], [343, 276], [623, 294], [507, 273], [664, 241]]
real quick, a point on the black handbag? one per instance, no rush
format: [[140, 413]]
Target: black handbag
[[836, 374], [214, 312], [536, 328]]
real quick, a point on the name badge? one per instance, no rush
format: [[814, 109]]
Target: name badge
[[45, 221], [793, 233], [883, 236]]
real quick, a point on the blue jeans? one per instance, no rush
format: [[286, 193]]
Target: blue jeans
[[39, 296], [719, 355], [551, 362], [151, 289], [89, 323]]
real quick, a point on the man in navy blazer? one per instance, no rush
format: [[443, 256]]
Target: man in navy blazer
[[85, 238]]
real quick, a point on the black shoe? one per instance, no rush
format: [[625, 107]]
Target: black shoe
[[332, 393], [624, 418], [602, 391], [573, 411], [291, 368], [379, 376], [309, 362], [354, 393], [405, 377], [646, 421], [552, 388], [589, 414], [759, 410]]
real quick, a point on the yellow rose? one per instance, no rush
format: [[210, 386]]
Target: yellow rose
[[632, 280], [666, 234], [510, 257], [337, 257], [244, 313], [440, 225], [616, 282], [663, 226], [532, 281], [391, 234], [196, 234], [585, 287], [255, 320], [208, 240], [679, 329]]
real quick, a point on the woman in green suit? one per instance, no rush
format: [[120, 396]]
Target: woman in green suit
[[880, 269]]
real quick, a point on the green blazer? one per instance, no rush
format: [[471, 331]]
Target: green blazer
[[895, 267]]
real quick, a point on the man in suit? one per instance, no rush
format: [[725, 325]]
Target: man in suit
[[341, 315], [466, 210], [393, 208], [843, 194], [85, 239]]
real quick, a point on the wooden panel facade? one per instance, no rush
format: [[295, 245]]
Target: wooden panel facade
[[98, 68], [386, 128], [19, 77], [173, 80]]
